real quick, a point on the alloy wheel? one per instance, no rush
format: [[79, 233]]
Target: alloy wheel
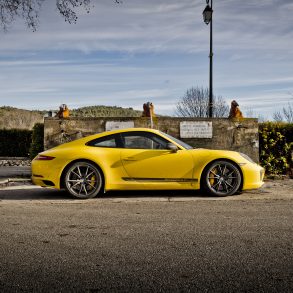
[[83, 180], [222, 178]]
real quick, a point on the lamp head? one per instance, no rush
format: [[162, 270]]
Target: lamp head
[[207, 14]]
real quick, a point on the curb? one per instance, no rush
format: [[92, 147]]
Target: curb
[[6, 182]]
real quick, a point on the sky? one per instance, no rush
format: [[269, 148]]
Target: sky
[[151, 50]]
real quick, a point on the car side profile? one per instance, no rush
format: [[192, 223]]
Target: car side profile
[[142, 159]]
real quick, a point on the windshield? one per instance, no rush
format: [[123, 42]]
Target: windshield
[[181, 143]]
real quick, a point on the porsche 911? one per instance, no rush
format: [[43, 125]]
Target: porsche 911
[[142, 159]]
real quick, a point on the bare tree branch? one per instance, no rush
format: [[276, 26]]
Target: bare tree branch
[[26, 9], [66, 8], [29, 10], [278, 117], [286, 114]]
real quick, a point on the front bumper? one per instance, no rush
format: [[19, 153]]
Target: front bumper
[[253, 176]]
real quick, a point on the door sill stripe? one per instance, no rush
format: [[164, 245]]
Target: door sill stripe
[[184, 180]]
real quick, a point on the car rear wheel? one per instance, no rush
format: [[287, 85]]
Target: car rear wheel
[[221, 178], [83, 180]]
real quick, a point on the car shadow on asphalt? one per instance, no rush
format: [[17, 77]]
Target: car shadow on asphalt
[[53, 194], [34, 194], [153, 193]]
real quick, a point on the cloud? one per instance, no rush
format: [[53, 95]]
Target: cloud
[[157, 26], [126, 54]]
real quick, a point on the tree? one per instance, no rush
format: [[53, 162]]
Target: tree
[[195, 103], [286, 114], [29, 11]]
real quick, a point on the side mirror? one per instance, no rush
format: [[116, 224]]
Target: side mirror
[[172, 147]]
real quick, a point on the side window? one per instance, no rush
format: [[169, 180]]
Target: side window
[[143, 140], [137, 142], [109, 141]]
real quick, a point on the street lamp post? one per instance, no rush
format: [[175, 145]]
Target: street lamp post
[[208, 19]]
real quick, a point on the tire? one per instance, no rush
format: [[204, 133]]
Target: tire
[[221, 178], [83, 180]]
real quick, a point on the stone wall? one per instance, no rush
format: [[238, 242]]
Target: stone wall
[[239, 136]]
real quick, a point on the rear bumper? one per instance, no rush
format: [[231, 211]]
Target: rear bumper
[[42, 182], [45, 174]]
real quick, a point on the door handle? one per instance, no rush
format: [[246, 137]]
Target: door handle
[[130, 159]]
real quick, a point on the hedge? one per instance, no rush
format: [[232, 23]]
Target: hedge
[[15, 142], [22, 143], [276, 147]]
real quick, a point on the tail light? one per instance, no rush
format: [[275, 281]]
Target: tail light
[[44, 158]]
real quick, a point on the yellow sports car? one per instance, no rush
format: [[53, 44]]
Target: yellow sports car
[[142, 159]]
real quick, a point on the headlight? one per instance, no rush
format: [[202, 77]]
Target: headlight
[[247, 158]]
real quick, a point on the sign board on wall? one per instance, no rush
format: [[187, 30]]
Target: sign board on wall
[[113, 125], [196, 129]]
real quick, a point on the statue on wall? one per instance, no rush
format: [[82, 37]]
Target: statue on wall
[[235, 111], [63, 111]]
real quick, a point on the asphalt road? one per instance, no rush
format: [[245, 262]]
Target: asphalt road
[[146, 242]]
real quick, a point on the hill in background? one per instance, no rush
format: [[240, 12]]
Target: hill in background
[[104, 111], [19, 118], [25, 119]]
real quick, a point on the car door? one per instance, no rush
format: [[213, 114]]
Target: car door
[[105, 152], [146, 159]]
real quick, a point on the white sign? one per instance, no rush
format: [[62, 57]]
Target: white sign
[[196, 129], [113, 125]]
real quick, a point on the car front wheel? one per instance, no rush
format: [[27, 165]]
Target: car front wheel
[[83, 180], [221, 178]]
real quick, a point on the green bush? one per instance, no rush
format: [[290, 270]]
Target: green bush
[[15, 142], [276, 146], [37, 143]]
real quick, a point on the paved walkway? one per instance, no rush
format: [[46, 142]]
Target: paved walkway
[[15, 171]]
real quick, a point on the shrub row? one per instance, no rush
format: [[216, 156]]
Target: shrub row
[[15, 142], [276, 147]]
